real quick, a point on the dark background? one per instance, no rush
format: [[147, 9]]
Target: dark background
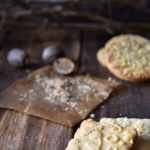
[[80, 28]]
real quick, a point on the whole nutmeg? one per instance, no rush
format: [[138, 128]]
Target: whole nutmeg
[[17, 57], [63, 66], [50, 53]]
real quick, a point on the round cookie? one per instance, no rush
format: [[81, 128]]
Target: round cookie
[[128, 57]]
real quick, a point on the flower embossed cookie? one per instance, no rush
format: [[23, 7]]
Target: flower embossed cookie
[[141, 125], [101, 136], [127, 57]]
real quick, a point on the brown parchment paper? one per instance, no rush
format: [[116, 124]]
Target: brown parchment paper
[[31, 95]]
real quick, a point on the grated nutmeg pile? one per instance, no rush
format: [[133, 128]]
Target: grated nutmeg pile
[[59, 90]]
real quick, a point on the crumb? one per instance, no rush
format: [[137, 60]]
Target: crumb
[[88, 74], [92, 115], [102, 106], [111, 79], [66, 109], [27, 70]]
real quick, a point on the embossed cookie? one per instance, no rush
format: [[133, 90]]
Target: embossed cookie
[[101, 136], [128, 57], [141, 125]]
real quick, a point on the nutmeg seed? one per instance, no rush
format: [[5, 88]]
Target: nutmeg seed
[[50, 53], [17, 57]]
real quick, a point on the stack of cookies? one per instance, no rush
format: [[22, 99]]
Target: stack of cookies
[[127, 57]]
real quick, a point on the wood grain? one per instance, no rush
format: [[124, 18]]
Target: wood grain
[[12, 130], [21, 132]]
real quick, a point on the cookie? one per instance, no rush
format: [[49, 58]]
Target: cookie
[[101, 56], [102, 136], [128, 57], [141, 125]]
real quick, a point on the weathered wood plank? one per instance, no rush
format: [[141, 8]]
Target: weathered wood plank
[[19, 131], [12, 130], [43, 134]]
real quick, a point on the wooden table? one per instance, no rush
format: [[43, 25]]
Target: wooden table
[[21, 132]]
